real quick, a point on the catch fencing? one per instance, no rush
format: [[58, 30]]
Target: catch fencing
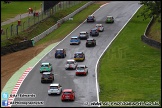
[[13, 30]]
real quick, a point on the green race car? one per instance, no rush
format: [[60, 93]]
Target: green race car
[[45, 67], [109, 19]]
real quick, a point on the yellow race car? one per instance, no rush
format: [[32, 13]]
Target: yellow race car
[[79, 56]]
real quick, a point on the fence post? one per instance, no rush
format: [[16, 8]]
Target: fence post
[[23, 25], [63, 5], [51, 11], [28, 22], [41, 9], [11, 29], [34, 18], [17, 29], [42, 15], [38, 17], [6, 33]]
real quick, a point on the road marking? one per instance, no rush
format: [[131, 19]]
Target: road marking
[[104, 5], [17, 86]]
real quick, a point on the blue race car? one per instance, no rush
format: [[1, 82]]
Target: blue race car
[[75, 40], [60, 53]]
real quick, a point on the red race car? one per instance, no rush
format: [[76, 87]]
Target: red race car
[[81, 70], [68, 94]]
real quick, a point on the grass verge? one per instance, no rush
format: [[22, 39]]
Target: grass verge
[[17, 7], [130, 70], [155, 31]]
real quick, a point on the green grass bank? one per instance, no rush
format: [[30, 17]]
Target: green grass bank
[[130, 70]]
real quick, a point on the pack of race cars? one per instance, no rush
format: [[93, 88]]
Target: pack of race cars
[[46, 67]]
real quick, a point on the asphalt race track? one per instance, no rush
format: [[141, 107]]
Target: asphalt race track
[[84, 86]]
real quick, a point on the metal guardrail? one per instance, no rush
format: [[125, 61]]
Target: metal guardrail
[[59, 22]]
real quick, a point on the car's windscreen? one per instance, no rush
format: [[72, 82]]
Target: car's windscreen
[[53, 87], [82, 33], [90, 17], [74, 39], [109, 18], [59, 51], [69, 62], [67, 92], [93, 30], [44, 65], [89, 40], [98, 26], [46, 75], [78, 55], [80, 68]]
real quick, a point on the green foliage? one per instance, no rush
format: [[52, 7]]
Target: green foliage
[[152, 8]]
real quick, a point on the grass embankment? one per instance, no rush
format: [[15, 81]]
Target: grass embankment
[[130, 70], [17, 7], [155, 31], [42, 26]]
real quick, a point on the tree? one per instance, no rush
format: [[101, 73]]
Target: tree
[[151, 9]]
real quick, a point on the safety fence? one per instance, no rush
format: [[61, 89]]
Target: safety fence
[[13, 30]]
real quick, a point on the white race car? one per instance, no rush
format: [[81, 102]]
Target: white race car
[[55, 88], [71, 64], [100, 27]]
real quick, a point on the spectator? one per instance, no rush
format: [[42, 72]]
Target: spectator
[[30, 10]]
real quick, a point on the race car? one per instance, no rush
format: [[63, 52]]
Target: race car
[[83, 35], [75, 40], [109, 19], [94, 32], [100, 27], [68, 94], [47, 77], [71, 64], [54, 88], [90, 42], [91, 18], [81, 70], [60, 53], [45, 67], [79, 56]]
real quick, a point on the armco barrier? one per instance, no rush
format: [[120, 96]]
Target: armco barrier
[[16, 47], [59, 22], [148, 40], [151, 42]]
